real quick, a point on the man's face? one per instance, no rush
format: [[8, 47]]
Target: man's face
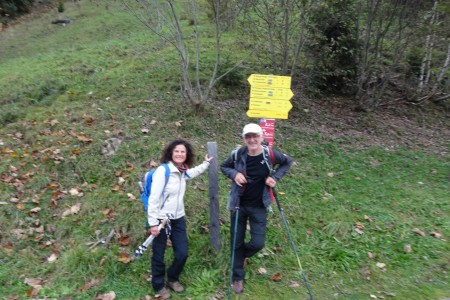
[[253, 141]]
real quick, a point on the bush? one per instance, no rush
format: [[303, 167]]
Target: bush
[[61, 7], [15, 8]]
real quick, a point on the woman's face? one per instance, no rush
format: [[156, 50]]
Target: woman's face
[[179, 154]]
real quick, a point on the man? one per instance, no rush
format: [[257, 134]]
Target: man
[[251, 170]]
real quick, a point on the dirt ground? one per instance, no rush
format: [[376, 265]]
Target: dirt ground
[[401, 126]]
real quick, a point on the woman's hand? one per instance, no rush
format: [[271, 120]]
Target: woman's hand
[[154, 231], [208, 158]]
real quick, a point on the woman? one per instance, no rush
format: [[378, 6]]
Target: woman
[[169, 200]]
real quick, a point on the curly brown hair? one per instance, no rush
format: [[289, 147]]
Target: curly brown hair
[[168, 151]]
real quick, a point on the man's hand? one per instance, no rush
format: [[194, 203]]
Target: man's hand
[[271, 182], [240, 179]]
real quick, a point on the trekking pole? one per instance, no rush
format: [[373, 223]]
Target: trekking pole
[[292, 244], [232, 251], [143, 247]]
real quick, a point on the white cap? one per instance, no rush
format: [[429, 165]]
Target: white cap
[[252, 128]]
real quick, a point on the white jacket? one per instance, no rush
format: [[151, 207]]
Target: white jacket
[[173, 193]]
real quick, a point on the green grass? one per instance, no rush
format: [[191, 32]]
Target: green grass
[[105, 76]]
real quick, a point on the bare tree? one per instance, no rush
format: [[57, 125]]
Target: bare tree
[[390, 26], [433, 71], [164, 21], [278, 30]]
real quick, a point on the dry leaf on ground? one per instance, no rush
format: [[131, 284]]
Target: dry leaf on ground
[[418, 231]]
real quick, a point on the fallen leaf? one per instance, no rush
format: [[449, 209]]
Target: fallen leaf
[[72, 210], [371, 255], [8, 246], [51, 258], [359, 225], [35, 210], [262, 271], [58, 194], [116, 188], [33, 292], [74, 192], [277, 248], [330, 174], [89, 121], [84, 139], [418, 231], [108, 296], [89, 285], [124, 240], [359, 231], [178, 123], [380, 265], [276, 277], [407, 248], [294, 285], [18, 232], [145, 130], [124, 258], [436, 234], [33, 282]]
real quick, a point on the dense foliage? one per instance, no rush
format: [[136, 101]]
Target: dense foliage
[[15, 8]]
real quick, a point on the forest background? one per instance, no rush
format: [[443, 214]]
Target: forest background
[[92, 90]]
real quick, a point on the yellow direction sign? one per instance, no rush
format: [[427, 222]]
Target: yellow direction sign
[[267, 114], [269, 81], [271, 105], [272, 94], [269, 96]]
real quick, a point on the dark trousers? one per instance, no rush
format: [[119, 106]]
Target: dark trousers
[[178, 236], [258, 220]]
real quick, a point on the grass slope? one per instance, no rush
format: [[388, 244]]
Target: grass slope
[[354, 215]]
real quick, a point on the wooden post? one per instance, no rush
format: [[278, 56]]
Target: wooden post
[[214, 221]]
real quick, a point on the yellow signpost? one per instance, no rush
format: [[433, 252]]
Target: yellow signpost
[[267, 114], [270, 96], [270, 81], [271, 105]]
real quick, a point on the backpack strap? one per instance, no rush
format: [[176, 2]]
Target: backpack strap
[[167, 175], [236, 154], [268, 152]]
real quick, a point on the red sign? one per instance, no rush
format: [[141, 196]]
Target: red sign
[[268, 128]]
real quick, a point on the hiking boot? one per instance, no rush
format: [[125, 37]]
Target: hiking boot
[[238, 286], [163, 294], [176, 286]]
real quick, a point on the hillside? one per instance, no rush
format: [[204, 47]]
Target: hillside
[[87, 108]]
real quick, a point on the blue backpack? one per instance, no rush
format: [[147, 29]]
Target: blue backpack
[[146, 185]]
